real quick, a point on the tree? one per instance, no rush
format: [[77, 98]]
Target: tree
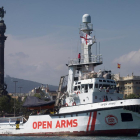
[[5, 104], [132, 96], [37, 95]]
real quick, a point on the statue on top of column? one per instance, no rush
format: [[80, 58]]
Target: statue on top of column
[[2, 12]]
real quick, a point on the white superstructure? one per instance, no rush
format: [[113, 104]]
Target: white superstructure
[[84, 84], [90, 106]]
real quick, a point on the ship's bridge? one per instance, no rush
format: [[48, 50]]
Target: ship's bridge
[[94, 59]]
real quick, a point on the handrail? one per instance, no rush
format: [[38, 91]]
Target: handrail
[[93, 59], [7, 120]]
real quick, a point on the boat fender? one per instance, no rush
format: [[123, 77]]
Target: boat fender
[[74, 104], [66, 104]]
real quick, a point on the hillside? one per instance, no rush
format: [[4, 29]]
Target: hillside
[[25, 84]]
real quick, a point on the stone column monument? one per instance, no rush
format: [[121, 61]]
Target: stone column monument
[[3, 86]]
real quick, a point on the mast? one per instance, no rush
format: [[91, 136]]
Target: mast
[[87, 28], [77, 68]]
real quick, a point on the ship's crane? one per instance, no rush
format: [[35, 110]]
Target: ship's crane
[[59, 90]]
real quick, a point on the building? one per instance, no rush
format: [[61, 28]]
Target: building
[[128, 85], [44, 92]]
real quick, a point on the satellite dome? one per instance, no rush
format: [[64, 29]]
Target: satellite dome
[[86, 18]]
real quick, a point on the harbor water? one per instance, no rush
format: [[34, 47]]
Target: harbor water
[[68, 138]]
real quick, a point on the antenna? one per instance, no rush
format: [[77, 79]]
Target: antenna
[[99, 47], [96, 48]]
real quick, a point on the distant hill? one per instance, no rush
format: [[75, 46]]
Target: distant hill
[[25, 84]]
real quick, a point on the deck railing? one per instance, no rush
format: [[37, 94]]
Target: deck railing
[[93, 59], [12, 120]]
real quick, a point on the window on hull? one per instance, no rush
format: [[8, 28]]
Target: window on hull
[[126, 117]]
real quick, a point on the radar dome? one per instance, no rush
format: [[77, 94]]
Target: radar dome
[[86, 18]]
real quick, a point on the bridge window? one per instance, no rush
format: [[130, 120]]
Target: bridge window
[[126, 117], [112, 87], [96, 85], [78, 87], [84, 88], [104, 80], [90, 86], [100, 80], [75, 88], [105, 86], [100, 85]]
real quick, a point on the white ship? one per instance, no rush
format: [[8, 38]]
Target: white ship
[[91, 106]]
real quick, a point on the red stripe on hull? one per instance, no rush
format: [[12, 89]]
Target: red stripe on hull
[[120, 132], [88, 121], [93, 121]]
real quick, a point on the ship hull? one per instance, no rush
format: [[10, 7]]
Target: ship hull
[[109, 122]]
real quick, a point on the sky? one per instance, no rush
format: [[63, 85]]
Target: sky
[[42, 35]]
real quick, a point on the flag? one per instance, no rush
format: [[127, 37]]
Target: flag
[[85, 38], [119, 66]]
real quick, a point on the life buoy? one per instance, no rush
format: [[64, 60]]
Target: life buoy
[[74, 104], [78, 92], [66, 104]]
